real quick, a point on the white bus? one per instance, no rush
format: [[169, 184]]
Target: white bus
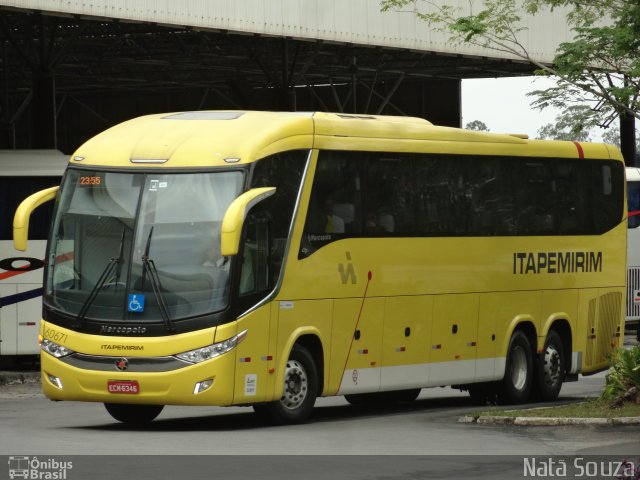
[[23, 172], [633, 249]]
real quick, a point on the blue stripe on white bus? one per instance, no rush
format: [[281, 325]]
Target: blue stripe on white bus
[[20, 297]]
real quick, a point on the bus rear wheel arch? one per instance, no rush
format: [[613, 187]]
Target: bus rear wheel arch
[[133, 414], [299, 392]]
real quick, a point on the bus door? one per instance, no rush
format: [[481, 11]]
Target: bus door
[[8, 321], [21, 303]]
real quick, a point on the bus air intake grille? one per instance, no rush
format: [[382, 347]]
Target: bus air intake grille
[[608, 321], [633, 285]]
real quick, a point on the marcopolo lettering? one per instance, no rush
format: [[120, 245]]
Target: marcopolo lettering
[[123, 330], [525, 263]]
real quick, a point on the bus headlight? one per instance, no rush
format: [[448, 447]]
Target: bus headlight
[[54, 349], [211, 351]]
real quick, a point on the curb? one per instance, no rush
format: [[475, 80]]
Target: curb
[[19, 378], [547, 421]]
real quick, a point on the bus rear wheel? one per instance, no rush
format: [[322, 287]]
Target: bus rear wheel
[[518, 377], [299, 391], [550, 369], [133, 414]]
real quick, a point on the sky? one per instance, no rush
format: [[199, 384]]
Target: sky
[[502, 104]]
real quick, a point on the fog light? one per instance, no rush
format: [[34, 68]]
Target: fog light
[[203, 385], [55, 381]]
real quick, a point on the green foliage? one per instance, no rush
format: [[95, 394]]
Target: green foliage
[[574, 124], [591, 408], [612, 136], [477, 125], [624, 373]]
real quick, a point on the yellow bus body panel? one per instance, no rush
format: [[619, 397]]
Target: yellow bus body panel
[[388, 313]]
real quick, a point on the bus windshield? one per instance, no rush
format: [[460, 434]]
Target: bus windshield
[[140, 246]]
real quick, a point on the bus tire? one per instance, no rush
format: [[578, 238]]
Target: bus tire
[[551, 368], [518, 376], [383, 398], [133, 414], [299, 391]]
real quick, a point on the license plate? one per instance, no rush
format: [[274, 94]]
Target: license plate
[[130, 387]]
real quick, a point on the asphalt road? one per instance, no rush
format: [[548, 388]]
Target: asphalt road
[[419, 440]]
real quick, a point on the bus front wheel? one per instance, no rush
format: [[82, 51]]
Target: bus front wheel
[[299, 391], [133, 414], [518, 377], [551, 368]]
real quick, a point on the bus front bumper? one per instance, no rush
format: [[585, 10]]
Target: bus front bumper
[[208, 383]]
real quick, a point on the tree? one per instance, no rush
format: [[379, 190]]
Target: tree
[[569, 125], [600, 68], [477, 125], [612, 136]]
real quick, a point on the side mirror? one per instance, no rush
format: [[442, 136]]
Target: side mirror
[[233, 219], [23, 213]]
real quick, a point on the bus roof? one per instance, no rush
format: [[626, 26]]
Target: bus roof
[[218, 138], [32, 163]]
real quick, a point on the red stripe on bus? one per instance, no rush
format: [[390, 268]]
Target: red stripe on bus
[[6, 275], [635, 213], [65, 257], [580, 151]]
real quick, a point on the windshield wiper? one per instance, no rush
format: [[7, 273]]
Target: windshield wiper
[[149, 267], [111, 264], [96, 289], [119, 263]]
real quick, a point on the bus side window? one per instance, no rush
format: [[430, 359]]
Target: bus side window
[[633, 198], [390, 191], [267, 226], [607, 196], [15, 189], [334, 206], [491, 207], [571, 181], [255, 274]]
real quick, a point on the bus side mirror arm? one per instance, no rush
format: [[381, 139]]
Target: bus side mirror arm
[[234, 217], [23, 213]]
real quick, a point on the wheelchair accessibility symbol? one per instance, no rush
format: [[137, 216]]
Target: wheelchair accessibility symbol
[[136, 302]]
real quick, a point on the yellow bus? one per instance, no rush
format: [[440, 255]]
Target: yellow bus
[[265, 259]]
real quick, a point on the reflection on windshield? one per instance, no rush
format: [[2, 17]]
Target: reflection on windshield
[[107, 218]]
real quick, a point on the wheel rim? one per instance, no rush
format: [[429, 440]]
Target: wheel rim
[[552, 365], [519, 368], [296, 385]]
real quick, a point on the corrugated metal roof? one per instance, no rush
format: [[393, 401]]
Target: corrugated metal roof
[[355, 21]]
